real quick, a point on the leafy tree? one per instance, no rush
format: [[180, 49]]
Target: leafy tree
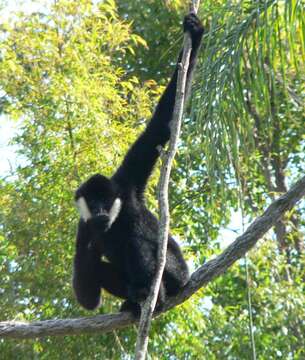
[[79, 75], [73, 103]]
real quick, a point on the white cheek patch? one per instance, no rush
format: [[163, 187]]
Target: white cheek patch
[[114, 211], [83, 209]]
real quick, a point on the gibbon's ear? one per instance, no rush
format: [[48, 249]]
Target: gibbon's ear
[[83, 208], [114, 211]]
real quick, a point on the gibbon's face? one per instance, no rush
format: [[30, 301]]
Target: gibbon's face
[[97, 200]]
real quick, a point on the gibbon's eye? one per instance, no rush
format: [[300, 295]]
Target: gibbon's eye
[[91, 204]]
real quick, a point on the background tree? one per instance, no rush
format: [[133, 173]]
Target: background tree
[[75, 78]]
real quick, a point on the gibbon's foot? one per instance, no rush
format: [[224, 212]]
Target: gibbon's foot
[[135, 308], [192, 24], [132, 307], [159, 307]]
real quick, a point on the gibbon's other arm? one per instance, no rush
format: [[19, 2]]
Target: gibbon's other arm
[[86, 275], [142, 156]]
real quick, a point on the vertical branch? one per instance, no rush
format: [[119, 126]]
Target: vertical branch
[[164, 216]]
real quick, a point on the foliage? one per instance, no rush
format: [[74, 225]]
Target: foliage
[[163, 36], [79, 79]]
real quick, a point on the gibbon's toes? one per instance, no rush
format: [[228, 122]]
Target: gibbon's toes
[[132, 307]]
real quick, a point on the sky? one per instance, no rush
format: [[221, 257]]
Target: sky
[[16, 5]]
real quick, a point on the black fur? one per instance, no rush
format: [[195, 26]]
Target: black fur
[[130, 245]]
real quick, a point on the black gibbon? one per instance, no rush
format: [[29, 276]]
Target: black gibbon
[[115, 223]]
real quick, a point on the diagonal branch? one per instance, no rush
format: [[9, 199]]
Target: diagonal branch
[[201, 277]]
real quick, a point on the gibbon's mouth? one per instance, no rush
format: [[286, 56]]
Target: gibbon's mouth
[[102, 213], [101, 217]]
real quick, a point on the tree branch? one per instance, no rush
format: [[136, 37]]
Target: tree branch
[[201, 277], [147, 308]]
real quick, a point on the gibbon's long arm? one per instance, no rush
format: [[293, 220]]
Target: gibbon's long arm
[[142, 156], [86, 282], [91, 274]]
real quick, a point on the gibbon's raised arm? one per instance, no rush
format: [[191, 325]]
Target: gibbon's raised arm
[[143, 154]]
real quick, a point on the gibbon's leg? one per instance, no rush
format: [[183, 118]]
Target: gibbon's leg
[[112, 280], [176, 273], [135, 308]]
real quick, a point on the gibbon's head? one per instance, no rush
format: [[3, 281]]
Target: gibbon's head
[[97, 199]]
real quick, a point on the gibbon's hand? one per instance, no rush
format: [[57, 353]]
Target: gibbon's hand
[[193, 25], [98, 224]]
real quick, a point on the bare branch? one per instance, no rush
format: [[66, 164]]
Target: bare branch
[[242, 244], [201, 277], [148, 307]]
